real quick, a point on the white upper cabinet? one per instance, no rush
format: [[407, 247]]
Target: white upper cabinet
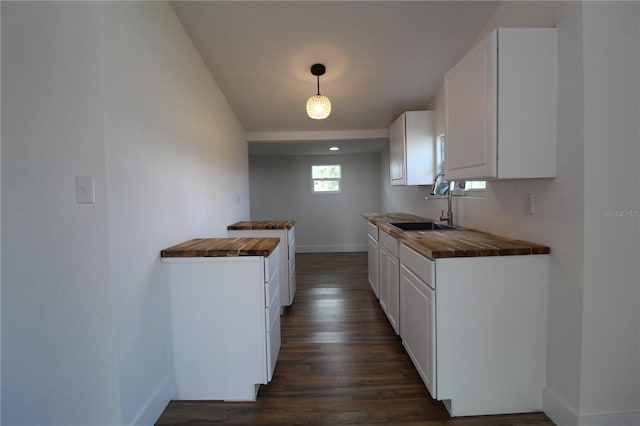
[[500, 107], [412, 148]]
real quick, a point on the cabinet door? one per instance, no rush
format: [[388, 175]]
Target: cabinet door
[[373, 265], [389, 287], [292, 267], [470, 90], [393, 288], [397, 149], [383, 282], [420, 148], [417, 308]]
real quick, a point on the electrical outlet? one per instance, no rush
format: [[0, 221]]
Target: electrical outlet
[[528, 204]]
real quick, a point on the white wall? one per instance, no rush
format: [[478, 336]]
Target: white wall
[[114, 90], [0, 226], [610, 379], [281, 189], [176, 158], [59, 361], [593, 305]]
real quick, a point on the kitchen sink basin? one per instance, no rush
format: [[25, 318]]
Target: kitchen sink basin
[[421, 226]]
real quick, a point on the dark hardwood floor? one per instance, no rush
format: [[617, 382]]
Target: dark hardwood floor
[[340, 363]]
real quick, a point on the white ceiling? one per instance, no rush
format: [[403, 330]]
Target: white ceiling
[[382, 58]]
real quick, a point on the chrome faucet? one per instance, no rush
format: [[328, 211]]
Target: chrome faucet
[[449, 216]]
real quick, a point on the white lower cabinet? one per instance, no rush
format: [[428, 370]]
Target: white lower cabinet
[[225, 320], [475, 329], [389, 265]]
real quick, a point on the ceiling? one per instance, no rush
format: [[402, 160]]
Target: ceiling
[[382, 58]]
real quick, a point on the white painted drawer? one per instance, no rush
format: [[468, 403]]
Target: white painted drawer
[[372, 230], [271, 264], [420, 265], [390, 243], [272, 288]]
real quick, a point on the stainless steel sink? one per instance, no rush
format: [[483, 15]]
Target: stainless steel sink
[[421, 226]]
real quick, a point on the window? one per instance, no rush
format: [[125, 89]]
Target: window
[[475, 185], [326, 178]]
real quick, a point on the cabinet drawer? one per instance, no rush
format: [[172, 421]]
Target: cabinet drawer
[[372, 230], [271, 290], [390, 243], [271, 264], [420, 265]]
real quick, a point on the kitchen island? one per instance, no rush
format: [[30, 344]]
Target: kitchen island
[[285, 231], [224, 315], [471, 309]]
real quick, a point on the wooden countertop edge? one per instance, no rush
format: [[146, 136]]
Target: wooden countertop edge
[[261, 225], [222, 247]]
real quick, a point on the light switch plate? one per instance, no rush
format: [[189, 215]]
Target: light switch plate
[[528, 204], [85, 190]]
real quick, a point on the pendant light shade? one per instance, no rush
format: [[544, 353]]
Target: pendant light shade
[[318, 106]]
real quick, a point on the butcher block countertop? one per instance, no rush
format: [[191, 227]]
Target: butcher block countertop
[[452, 243], [222, 247], [262, 224]]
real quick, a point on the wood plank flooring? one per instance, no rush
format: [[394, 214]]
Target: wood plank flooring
[[340, 363]]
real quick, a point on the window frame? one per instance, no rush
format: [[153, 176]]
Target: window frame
[[329, 179]]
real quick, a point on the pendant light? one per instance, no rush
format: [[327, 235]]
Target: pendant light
[[318, 106]]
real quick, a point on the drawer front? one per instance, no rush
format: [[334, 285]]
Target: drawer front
[[271, 264], [420, 265], [372, 230], [390, 243], [272, 290]]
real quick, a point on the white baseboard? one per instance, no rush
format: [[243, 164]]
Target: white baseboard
[[557, 410], [156, 403], [628, 418], [330, 248], [563, 415]]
